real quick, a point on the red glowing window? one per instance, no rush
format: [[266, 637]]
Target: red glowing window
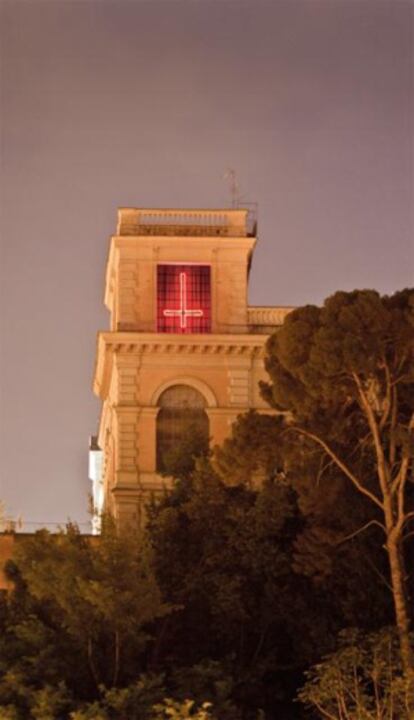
[[183, 298]]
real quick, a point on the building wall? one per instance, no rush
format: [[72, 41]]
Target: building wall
[[135, 363]]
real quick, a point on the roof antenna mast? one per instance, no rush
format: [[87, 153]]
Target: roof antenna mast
[[237, 200], [230, 175]]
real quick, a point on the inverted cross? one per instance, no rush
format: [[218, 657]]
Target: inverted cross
[[183, 312]]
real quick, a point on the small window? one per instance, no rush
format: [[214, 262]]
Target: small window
[[181, 414]]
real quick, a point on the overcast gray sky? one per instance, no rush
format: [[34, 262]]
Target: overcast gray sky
[[109, 103]]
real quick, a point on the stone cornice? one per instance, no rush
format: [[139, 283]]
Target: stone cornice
[[137, 345], [226, 410], [209, 242]]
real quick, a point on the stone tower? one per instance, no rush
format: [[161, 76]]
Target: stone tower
[[184, 346]]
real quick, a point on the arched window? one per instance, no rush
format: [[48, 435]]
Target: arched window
[[181, 416]]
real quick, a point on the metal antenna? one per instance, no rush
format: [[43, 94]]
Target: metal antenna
[[238, 200], [230, 175]]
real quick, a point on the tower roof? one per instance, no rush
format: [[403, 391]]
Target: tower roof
[[165, 221]]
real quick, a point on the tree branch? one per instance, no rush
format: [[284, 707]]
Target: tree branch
[[408, 517], [401, 482], [378, 573], [382, 465], [388, 397], [394, 405], [341, 465], [323, 712], [361, 529]]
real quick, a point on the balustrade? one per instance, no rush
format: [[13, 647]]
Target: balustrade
[[232, 223], [267, 316]]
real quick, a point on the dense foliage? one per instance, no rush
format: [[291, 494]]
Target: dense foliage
[[345, 375], [363, 678], [264, 586]]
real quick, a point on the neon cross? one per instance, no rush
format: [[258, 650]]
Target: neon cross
[[183, 311]]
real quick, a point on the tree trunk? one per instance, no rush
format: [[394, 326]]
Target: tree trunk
[[401, 612], [91, 663], [153, 663], [117, 658]]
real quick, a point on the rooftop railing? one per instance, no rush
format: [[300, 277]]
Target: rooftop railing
[[229, 223]]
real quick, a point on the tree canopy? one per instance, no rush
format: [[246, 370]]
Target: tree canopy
[[344, 373], [279, 560]]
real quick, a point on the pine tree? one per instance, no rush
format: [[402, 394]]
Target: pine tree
[[344, 373]]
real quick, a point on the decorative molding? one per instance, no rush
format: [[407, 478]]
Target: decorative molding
[[171, 342], [268, 316], [239, 386], [195, 383], [111, 343]]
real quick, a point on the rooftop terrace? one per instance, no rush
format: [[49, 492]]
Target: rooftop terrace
[[225, 222]]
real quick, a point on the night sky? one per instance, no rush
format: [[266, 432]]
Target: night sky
[[115, 103]]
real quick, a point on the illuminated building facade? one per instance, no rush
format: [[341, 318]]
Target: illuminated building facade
[[184, 349]]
